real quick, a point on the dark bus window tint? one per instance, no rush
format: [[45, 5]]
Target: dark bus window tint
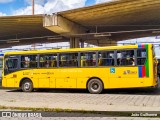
[[141, 56], [68, 60], [29, 61], [1, 63], [88, 59], [125, 57], [141, 53], [106, 58], [49, 60], [12, 64]]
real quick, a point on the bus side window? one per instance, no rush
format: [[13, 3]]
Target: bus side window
[[22, 62], [29, 61], [88, 59], [62, 60], [68, 60], [106, 58], [125, 57], [33, 61], [41, 60], [54, 61], [47, 63], [48, 60], [99, 59], [82, 61], [25, 61], [141, 56]]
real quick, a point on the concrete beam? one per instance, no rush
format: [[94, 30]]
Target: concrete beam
[[6, 44], [61, 25]]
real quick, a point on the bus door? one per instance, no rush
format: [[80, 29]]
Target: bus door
[[11, 65], [67, 74], [126, 73], [46, 79]]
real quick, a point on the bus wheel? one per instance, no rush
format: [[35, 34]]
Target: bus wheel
[[95, 86], [27, 85]]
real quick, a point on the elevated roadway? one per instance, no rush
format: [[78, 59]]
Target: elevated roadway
[[100, 24]]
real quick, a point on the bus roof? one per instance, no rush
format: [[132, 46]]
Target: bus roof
[[73, 49]]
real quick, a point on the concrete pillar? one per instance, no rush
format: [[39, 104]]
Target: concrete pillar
[[74, 42], [82, 44], [71, 42]]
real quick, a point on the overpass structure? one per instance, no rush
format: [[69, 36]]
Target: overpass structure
[[100, 24]]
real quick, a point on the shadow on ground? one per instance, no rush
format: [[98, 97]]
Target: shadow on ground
[[136, 91]]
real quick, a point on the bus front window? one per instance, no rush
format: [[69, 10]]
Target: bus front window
[[10, 65]]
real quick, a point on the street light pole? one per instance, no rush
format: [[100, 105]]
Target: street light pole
[[32, 7]]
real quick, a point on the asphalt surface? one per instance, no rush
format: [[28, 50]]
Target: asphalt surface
[[110, 100], [120, 100]]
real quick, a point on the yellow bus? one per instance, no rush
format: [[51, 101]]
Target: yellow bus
[[95, 69]]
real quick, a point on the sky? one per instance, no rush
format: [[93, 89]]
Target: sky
[[24, 7]]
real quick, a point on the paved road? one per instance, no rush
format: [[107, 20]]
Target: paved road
[[110, 100]]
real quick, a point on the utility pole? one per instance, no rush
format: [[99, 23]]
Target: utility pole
[[32, 7]]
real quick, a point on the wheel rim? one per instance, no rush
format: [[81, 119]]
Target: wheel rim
[[95, 86], [27, 86]]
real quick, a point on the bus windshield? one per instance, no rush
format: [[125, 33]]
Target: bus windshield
[[11, 65]]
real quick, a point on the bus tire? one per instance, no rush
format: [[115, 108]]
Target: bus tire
[[95, 86], [27, 85]]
